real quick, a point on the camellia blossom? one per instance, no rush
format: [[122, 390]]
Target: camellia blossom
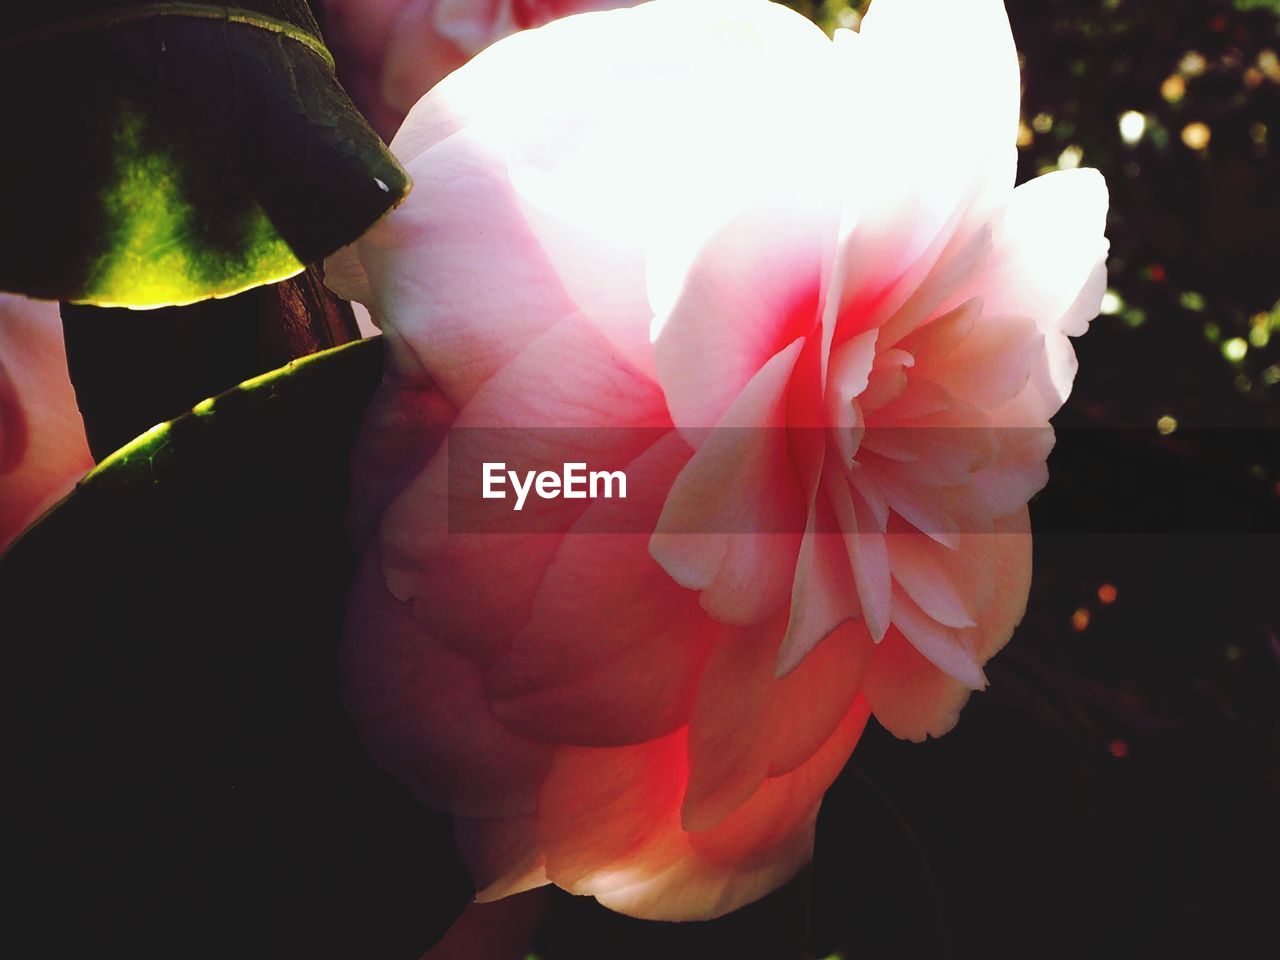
[[391, 52], [43, 450], [785, 284]]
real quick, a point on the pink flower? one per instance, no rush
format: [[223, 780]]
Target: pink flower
[[391, 52], [786, 285], [43, 450]]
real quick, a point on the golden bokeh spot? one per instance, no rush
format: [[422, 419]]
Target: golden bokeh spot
[[1192, 64], [1196, 135], [1173, 89]]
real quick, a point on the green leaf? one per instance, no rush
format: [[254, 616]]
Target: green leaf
[[161, 153], [135, 368], [180, 777]]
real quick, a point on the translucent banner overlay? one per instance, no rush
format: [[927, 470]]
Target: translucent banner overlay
[[934, 480]]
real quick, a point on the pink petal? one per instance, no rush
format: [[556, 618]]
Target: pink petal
[[726, 762], [752, 290], [1046, 250], [624, 667], [1012, 570], [934, 73], [823, 594], [423, 715], [787, 802], [503, 856], [935, 511], [1020, 470], [950, 586], [942, 440], [911, 696], [988, 365], [887, 380], [1050, 264], [748, 725], [944, 73], [868, 554], [593, 162], [850, 371], [941, 645], [631, 853], [466, 301], [727, 527], [402, 429], [474, 590], [937, 274], [754, 850], [358, 32], [43, 450], [606, 813]]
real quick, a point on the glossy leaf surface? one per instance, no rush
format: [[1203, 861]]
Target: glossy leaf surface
[[163, 153], [181, 778]]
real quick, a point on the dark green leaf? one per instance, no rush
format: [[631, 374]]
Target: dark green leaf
[[160, 153], [180, 777], [135, 368]]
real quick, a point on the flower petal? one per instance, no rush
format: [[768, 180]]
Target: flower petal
[[473, 590], [912, 697], [43, 449], [941, 645], [422, 712], [935, 73], [1050, 264], [631, 853], [1047, 248], [503, 856], [944, 73], [748, 725], [865, 543], [594, 164], [752, 290], [623, 668], [729, 528], [823, 593], [465, 301], [950, 586]]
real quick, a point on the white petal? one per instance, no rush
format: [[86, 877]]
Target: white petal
[[1049, 253]]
